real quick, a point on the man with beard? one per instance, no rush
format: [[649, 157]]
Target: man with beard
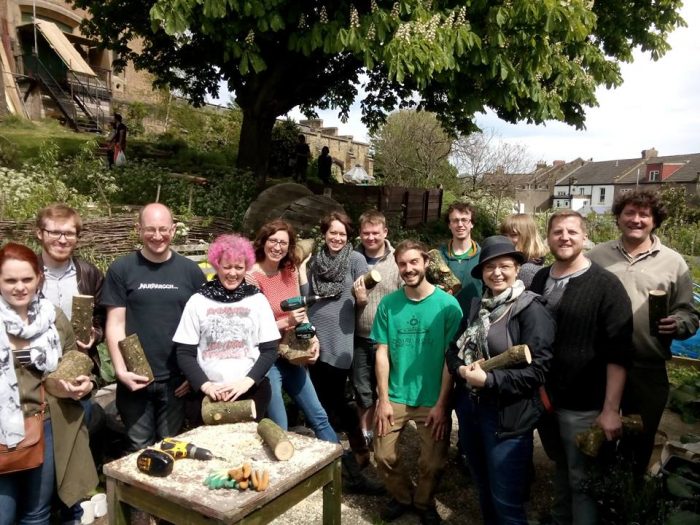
[[592, 350], [643, 264], [145, 293], [58, 228], [412, 328]]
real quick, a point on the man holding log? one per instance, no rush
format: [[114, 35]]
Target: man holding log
[[461, 253], [592, 350], [145, 293], [412, 328], [58, 228], [379, 254], [648, 269]]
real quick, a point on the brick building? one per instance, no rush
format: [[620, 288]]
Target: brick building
[[50, 70]]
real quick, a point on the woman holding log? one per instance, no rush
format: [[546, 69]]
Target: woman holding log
[[276, 274], [498, 409], [521, 229], [226, 341], [33, 336]]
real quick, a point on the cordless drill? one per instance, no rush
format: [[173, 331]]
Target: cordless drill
[[300, 301], [182, 449]]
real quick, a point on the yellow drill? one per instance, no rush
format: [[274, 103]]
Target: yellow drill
[[181, 449]]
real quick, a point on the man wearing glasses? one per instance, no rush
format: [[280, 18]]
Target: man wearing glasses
[[461, 253], [65, 275], [145, 293]]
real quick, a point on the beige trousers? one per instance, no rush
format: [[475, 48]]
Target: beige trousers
[[431, 462]]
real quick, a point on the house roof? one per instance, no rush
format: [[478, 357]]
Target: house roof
[[601, 172], [688, 171]]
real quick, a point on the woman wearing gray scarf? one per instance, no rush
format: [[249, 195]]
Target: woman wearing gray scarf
[[332, 273], [33, 336], [498, 410]]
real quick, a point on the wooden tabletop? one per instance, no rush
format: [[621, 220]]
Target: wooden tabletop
[[238, 443]]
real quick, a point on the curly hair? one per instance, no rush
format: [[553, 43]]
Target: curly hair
[[231, 246], [643, 198], [462, 207], [291, 260]]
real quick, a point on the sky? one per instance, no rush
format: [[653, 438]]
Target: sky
[[658, 105]]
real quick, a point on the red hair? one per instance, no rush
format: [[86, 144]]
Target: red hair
[[20, 252]]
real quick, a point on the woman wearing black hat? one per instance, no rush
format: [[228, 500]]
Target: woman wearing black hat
[[498, 409]]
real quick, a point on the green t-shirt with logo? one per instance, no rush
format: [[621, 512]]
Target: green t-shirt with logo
[[417, 333]]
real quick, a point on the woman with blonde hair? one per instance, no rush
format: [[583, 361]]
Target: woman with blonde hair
[[521, 229]]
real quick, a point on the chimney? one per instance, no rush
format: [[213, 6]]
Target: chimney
[[541, 165], [649, 153], [558, 163]]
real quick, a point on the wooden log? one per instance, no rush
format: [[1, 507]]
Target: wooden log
[[81, 317], [590, 441], [305, 247], [134, 356], [439, 274], [293, 349], [223, 412], [372, 278], [275, 438], [73, 364], [658, 309], [515, 357]]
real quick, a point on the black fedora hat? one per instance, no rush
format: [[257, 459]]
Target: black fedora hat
[[496, 246]]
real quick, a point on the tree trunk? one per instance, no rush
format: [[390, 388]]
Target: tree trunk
[[276, 438], [255, 142]]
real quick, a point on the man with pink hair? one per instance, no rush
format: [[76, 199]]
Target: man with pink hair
[[145, 293]]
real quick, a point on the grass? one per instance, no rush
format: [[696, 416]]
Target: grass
[[28, 137]]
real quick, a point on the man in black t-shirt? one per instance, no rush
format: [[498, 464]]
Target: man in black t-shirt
[[145, 293]]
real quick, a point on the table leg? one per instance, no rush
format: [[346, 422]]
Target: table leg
[[118, 512], [331, 497]]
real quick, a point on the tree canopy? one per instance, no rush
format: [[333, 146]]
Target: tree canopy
[[532, 61]]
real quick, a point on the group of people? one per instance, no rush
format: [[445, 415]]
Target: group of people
[[409, 350]]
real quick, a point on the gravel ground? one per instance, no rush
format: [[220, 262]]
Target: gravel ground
[[456, 498]]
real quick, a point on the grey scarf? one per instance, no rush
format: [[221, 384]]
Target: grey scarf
[[473, 344], [45, 350], [327, 272]]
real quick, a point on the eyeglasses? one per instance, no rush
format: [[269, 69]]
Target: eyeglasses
[[460, 221], [503, 268], [150, 231], [281, 244], [54, 235]]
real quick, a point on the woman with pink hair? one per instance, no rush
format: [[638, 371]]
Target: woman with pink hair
[[227, 338]]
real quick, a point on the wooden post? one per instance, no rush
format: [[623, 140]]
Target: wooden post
[[158, 193]]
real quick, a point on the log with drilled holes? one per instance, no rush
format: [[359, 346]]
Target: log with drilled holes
[[81, 317], [590, 441], [134, 356], [223, 412], [439, 274], [73, 364]]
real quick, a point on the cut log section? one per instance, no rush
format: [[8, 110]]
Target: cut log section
[[305, 247], [372, 278], [439, 274], [72, 364], [590, 441], [81, 317], [296, 351], [515, 357], [223, 412], [275, 438], [658, 309], [134, 356]]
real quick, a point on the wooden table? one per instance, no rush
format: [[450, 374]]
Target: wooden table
[[181, 497]]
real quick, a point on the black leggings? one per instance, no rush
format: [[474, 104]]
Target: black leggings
[[329, 382]]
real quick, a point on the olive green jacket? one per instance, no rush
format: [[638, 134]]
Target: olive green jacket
[[76, 475]]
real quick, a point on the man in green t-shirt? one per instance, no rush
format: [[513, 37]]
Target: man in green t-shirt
[[412, 328]]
